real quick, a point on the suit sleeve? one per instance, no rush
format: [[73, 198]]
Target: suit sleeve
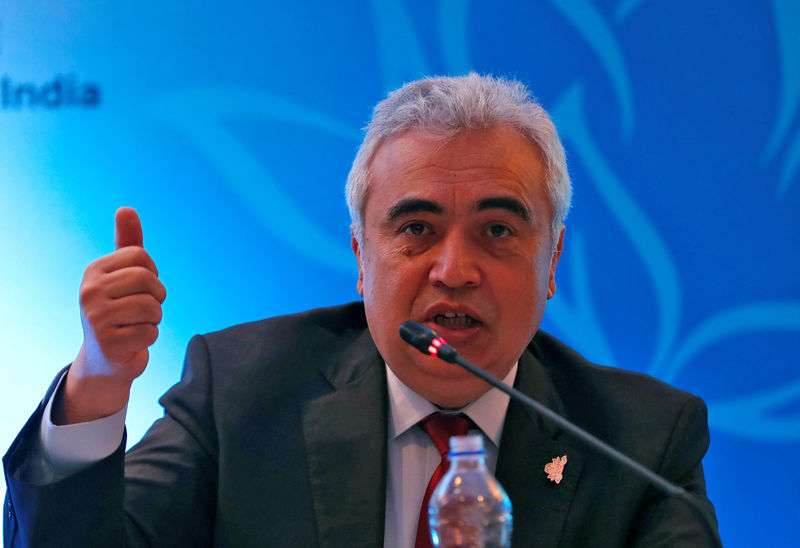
[[162, 493], [39, 514], [669, 521]]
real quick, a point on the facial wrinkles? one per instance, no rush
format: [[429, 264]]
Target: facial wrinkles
[[464, 177], [425, 174], [487, 195], [457, 213]]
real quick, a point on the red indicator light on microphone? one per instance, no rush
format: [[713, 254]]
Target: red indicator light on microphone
[[433, 349]]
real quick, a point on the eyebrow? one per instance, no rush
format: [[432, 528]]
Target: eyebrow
[[503, 202], [413, 205]]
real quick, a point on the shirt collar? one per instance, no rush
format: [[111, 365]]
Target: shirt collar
[[407, 408]]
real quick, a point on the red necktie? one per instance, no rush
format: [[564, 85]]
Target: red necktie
[[439, 426]]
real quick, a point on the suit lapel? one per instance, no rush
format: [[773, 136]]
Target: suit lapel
[[528, 443], [345, 435]]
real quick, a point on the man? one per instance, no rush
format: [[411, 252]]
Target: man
[[304, 430]]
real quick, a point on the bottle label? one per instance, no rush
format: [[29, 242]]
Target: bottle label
[[466, 453]]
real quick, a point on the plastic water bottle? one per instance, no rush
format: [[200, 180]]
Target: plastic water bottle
[[469, 508]]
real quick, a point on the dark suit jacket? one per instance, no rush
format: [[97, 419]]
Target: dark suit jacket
[[276, 436]]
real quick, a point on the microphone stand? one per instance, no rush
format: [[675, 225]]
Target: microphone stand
[[429, 342]]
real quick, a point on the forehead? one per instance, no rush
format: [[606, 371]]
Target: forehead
[[492, 161]]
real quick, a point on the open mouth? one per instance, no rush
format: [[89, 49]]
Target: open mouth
[[452, 320]]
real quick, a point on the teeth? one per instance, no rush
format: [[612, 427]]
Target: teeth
[[452, 320]]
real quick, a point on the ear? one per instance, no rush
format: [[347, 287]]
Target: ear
[[551, 285], [357, 251]]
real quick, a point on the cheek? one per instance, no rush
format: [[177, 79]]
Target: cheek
[[379, 277], [524, 285], [392, 287]]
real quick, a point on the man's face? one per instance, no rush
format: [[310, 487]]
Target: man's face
[[457, 237]]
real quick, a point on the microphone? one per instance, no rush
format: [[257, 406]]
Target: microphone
[[429, 342]]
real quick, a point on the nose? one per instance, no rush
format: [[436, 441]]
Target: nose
[[455, 263]]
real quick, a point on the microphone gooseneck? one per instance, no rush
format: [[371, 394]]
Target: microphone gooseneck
[[429, 342]]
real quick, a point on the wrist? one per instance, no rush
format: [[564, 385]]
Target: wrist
[[86, 397]]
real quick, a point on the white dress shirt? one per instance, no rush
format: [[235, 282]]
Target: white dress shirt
[[63, 450]]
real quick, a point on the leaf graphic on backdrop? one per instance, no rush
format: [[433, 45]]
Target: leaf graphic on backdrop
[[589, 22], [752, 415], [453, 38], [241, 168], [787, 22], [580, 316], [790, 165], [399, 49], [625, 8], [640, 230], [402, 56]]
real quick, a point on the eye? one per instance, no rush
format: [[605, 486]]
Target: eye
[[498, 231], [415, 229]]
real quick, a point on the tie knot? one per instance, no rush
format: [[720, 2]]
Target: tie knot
[[441, 426]]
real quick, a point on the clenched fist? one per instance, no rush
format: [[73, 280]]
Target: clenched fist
[[120, 298]]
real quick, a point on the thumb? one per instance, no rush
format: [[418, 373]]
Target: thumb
[[127, 228]]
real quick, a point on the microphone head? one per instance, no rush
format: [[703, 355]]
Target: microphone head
[[417, 335], [427, 341]]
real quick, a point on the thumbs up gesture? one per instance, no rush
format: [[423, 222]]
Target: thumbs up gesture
[[120, 300]]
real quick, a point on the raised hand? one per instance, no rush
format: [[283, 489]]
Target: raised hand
[[120, 299]]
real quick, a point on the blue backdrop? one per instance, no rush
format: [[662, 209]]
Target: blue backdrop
[[231, 125]]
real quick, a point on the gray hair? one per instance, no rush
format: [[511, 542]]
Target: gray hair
[[451, 104]]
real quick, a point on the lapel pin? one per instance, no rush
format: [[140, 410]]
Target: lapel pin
[[555, 469]]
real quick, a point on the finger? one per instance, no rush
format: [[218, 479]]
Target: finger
[[98, 293], [123, 258], [130, 348], [138, 362], [105, 320], [134, 280], [134, 309], [133, 362], [132, 339], [120, 345], [127, 228]]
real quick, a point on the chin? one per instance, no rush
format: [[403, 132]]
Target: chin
[[453, 401], [458, 392]]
